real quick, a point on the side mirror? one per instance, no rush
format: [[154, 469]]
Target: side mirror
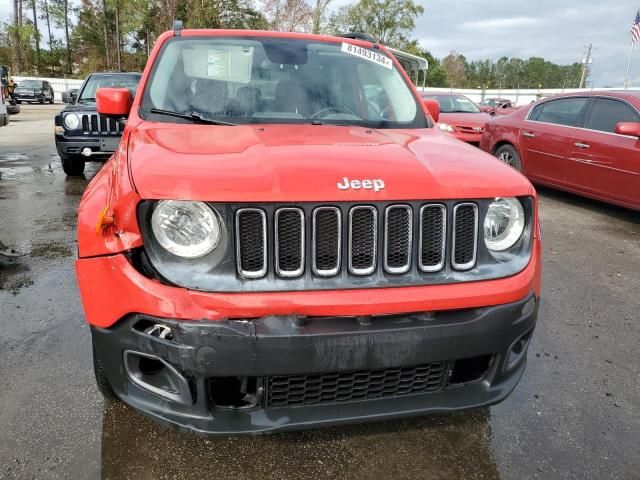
[[114, 102], [433, 107], [628, 128]]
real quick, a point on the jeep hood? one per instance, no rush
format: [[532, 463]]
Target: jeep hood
[[283, 163]]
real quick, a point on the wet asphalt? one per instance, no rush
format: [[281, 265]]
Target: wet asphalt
[[575, 415]]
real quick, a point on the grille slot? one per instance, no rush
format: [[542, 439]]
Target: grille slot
[[339, 387], [327, 241], [398, 238], [433, 232], [251, 242], [363, 240], [465, 236], [289, 242]]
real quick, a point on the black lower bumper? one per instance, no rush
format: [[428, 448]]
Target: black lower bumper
[[279, 373], [72, 146]]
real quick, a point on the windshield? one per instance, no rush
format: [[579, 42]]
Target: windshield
[[94, 82], [455, 104], [31, 84], [274, 80]]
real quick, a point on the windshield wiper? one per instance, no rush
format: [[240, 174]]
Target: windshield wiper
[[195, 116]]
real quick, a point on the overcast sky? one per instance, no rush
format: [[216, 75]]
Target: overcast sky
[[557, 30]]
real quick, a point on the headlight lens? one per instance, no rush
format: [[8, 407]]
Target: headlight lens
[[503, 224], [445, 127], [71, 121], [186, 229]]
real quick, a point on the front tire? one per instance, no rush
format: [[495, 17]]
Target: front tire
[[41, 101], [72, 166], [509, 155], [101, 378]]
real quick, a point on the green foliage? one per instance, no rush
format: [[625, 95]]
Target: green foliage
[[390, 21]]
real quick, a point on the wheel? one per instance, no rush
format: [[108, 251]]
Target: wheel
[[41, 101], [72, 166], [510, 156], [51, 100], [101, 378], [4, 121]]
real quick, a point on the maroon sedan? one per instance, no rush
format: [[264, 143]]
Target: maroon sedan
[[459, 116], [585, 143]]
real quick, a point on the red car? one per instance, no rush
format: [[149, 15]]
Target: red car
[[269, 248], [497, 106], [459, 116], [584, 143]]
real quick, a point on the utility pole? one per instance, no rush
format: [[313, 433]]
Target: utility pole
[[586, 65], [118, 36]]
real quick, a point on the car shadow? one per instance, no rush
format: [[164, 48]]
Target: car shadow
[[452, 446], [585, 203]]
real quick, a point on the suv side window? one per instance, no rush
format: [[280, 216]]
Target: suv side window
[[607, 112], [563, 111]]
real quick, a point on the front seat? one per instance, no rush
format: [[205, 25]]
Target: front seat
[[292, 97], [210, 96]]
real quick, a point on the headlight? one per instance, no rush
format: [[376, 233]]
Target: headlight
[[445, 127], [503, 224], [71, 121], [186, 229]]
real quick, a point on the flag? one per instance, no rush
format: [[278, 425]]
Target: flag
[[635, 29]]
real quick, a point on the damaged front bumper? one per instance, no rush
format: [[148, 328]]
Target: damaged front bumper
[[288, 372]]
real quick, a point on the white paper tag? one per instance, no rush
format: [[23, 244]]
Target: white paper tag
[[368, 55], [218, 63]]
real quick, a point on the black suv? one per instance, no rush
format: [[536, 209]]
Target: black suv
[[81, 134], [33, 91]]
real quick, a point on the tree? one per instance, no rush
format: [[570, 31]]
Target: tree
[[288, 15], [390, 21], [60, 11], [319, 15], [454, 65]]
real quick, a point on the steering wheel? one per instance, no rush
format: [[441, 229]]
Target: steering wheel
[[334, 109]]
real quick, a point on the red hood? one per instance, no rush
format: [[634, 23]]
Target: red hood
[[465, 119], [278, 163]]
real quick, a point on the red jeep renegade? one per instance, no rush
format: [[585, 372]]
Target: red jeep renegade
[[283, 240]]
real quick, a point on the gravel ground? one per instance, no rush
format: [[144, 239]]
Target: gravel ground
[[575, 415]]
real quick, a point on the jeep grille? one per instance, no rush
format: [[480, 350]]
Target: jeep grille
[[94, 124], [374, 237]]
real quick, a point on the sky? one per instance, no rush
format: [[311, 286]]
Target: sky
[[557, 30]]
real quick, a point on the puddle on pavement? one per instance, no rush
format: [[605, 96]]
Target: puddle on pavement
[[13, 276], [74, 186], [50, 250], [402, 449]]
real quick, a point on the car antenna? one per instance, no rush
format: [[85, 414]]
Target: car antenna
[[177, 28]]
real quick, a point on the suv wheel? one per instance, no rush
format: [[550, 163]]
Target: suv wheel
[[72, 166], [42, 99], [101, 379], [510, 156]]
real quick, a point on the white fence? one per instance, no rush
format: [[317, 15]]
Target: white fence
[[518, 97], [59, 84]]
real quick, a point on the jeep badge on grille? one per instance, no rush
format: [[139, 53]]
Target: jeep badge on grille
[[376, 184]]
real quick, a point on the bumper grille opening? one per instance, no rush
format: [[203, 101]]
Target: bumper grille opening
[[470, 369], [338, 387], [233, 392]]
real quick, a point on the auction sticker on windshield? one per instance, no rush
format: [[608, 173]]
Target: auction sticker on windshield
[[368, 55]]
